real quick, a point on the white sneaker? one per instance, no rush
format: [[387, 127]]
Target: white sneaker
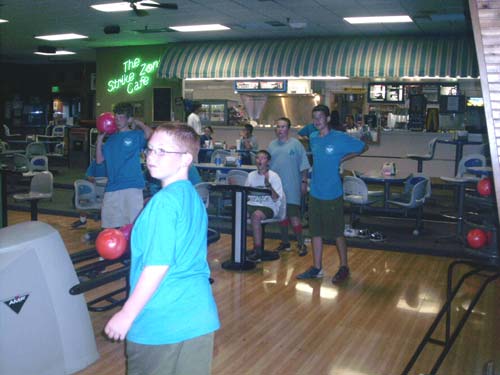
[[350, 232]]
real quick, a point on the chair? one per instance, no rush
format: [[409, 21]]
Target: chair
[[357, 194], [236, 177], [233, 177], [412, 180], [58, 131], [203, 190], [21, 163], [471, 160], [86, 197], [39, 164], [35, 149], [280, 216], [371, 193], [431, 149], [41, 187], [413, 200]]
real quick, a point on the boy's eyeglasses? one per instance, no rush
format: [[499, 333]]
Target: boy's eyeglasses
[[160, 152]]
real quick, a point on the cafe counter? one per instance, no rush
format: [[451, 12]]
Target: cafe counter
[[392, 146]]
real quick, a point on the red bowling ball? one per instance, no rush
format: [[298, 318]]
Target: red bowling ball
[[484, 187], [106, 123], [477, 238], [111, 244]]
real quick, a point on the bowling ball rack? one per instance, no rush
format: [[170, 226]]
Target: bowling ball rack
[[98, 272]]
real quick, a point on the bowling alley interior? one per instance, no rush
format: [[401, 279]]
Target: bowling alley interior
[[412, 91]]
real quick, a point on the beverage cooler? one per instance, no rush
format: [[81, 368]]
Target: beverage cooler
[[216, 112]]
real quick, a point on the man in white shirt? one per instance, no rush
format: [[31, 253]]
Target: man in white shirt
[[193, 119], [261, 207]]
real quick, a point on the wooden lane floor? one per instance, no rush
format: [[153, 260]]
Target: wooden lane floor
[[274, 324]]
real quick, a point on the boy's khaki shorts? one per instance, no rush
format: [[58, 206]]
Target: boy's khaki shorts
[[121, 207]]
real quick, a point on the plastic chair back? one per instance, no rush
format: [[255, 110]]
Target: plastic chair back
[[39, 163], [35, 149], [21, 163], [86, 196], [203, 190], [42, 183], [355, 190], [236, 177], [58, 131], [415, 178], [416, 197], [431, 146], [472, 160]]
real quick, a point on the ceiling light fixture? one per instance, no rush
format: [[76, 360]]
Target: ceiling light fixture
[[2, 21], [378, 19], [56, 37], [122, 6], [56, 53], [194, 28]]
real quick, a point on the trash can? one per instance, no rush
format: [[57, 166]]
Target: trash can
[[44, 329]]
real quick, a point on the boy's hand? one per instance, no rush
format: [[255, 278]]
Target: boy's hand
[[118, 326]]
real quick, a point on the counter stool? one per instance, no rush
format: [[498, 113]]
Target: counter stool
[[41, 187], [424, 157]]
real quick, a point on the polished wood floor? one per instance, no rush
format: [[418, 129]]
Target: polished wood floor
[[274, 324]]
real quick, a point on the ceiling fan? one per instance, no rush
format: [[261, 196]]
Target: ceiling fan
[[141, 12]]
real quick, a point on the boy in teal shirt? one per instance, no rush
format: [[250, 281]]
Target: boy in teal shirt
[[170, 316]]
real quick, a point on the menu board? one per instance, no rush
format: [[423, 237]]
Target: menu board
[[376, 92], [448, 90], [261, 85], [394, 93]]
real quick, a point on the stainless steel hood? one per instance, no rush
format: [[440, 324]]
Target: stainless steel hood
[[297, 107]]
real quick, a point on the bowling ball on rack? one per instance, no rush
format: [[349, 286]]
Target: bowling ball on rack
[[106, 123], [477, 238], [127, 231], [111, 244], [484, 187]]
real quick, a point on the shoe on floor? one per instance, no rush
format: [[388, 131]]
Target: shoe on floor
[[363, 233], [311, 273], [254, 256], [302, 250], [350, 232], [78, 224], [283, 246], [377, 237], [341, 275]]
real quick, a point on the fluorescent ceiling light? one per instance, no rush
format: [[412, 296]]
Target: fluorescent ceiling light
[[2, 21], [192, 28], [61, 37], [378, 19], [122, 6], [58, 53]]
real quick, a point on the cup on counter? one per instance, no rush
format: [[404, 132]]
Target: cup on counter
[[238, 144]]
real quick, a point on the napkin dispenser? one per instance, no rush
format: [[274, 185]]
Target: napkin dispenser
[[389, 168]]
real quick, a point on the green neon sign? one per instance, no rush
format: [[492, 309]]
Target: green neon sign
[[136, 75]]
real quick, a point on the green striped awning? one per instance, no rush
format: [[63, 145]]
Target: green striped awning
[[322, 57]]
